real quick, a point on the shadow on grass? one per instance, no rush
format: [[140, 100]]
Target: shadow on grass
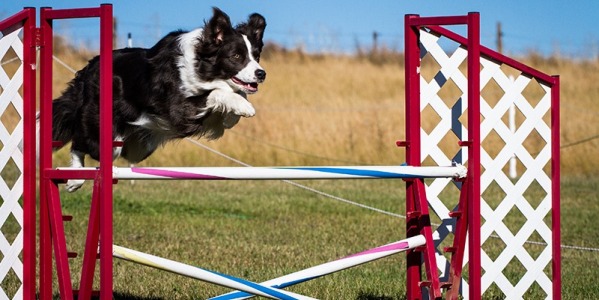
[[120, 296], [371, 296], [361, 296]]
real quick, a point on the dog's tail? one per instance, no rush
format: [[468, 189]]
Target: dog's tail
[[64, 117], [63, 123]]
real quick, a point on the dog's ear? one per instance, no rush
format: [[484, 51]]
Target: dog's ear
[[254, 28], [218, 27]]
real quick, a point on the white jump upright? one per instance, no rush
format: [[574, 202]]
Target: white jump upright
[[464, 157]]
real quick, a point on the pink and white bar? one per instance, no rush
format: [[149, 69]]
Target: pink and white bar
[[202, 274], [334, 266], [275, 173]]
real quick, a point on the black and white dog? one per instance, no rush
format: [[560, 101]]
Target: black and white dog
[[189, 84]]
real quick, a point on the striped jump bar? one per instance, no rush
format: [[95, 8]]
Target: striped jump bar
[[271, 288], [333, 266], [278, 173], [201, 274]]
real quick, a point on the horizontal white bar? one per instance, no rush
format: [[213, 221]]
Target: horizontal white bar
[[277, 173]]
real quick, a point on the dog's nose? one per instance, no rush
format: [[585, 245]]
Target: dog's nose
[[260, 74]]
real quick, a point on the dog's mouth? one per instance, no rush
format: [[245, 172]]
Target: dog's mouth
[[248, 87]]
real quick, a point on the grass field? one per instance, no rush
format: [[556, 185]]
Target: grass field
[[318, 110], [264, 229]]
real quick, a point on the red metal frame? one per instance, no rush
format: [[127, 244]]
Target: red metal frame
[[555, 189], [459, 244], [413, 154], [474, 270], [45, 155], [51, 228], [421, 214], [105, 176], [26, 20], [412, 144], [91, 245], [412, 24], [540, 76], [29, 155]]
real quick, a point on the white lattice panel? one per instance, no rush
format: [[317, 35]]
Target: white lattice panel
[[516, 204], [515, 211], [11, 165]]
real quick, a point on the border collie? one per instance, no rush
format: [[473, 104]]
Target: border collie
[[190, 84]]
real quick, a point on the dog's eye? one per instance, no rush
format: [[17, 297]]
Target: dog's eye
[[236, 56]]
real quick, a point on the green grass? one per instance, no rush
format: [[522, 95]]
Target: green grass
[[259, 230]]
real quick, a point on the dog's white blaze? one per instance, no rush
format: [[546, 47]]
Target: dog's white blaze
[[248, 73], [191, 84], [249, 47]]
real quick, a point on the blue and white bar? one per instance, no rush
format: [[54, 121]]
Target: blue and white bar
[[203, 275], [333, 266], [280, 173]]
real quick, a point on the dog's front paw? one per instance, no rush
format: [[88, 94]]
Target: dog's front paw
[[229, 102], [243, 108], [74, 184]]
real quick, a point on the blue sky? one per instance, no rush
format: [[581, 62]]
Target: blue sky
[[549, 26]]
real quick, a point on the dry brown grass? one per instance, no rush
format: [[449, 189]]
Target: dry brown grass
[[579, 109], [328, 109], [309, 114]]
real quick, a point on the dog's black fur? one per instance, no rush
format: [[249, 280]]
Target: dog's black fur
[[188, 84]]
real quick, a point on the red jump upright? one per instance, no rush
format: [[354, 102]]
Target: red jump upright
[[51, 227]]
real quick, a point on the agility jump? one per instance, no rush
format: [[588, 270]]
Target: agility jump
[[442, 277]]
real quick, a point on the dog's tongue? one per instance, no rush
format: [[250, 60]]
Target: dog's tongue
[[253, 86]]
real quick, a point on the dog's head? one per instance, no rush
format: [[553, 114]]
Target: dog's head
[[232, 53]]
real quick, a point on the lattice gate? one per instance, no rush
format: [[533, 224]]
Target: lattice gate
[[17, 156], [453, 83]]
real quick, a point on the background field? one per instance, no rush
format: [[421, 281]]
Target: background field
[[318, 110], [326, 109]]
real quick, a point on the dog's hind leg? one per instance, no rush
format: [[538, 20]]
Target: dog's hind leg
[[77, 161]]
